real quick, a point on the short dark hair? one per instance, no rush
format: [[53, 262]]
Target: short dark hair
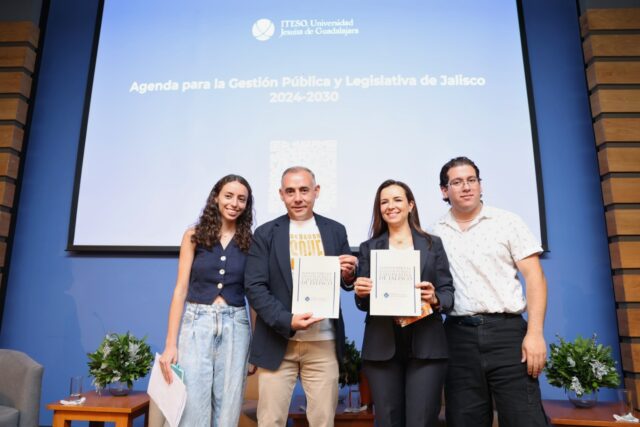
[[457, 161], [296, 169]]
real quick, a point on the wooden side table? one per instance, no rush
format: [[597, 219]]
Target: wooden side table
[[120, 410], [342, 419], [563, 413]]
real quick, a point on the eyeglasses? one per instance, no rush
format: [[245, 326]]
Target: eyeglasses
[[459, 183]]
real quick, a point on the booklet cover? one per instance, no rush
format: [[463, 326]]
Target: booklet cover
[[316, 286], [395, 274]]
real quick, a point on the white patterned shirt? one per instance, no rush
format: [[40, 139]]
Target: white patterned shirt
[[483, 260]]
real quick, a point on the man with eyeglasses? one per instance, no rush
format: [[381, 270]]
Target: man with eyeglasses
[[494, 354]]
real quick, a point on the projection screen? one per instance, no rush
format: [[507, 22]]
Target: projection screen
[[183, 93]]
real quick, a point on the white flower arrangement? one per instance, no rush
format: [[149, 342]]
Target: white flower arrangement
[[582, 366], [123, 358]]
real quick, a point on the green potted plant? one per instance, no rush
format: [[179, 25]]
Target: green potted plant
[[351, 373], [351, 364], [118, 362], [581, 367]]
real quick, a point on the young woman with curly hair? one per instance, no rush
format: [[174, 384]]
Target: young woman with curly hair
[[209, 336]]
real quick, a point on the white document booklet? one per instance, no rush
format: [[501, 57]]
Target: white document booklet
[[316, 286], [170, 398], [394, 274]]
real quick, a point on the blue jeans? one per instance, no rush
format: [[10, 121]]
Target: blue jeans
[[213, 351]]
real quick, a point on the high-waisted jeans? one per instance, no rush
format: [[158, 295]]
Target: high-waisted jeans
[[213, 350]]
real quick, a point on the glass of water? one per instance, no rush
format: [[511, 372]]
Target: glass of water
[[75, 388], [354, 399]]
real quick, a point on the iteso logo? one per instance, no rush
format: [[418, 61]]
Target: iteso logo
[[263, 29]]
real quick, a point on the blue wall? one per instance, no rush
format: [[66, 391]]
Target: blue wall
[[59, 305]]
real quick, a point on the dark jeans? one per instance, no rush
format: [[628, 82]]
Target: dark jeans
[[484, 363]]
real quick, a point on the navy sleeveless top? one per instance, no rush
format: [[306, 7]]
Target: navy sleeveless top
[[217, 271]]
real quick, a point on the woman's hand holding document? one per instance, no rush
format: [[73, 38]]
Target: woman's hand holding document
[[170, 398]]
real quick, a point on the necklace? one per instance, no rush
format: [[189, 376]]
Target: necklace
[[227, 234], [399, 241]]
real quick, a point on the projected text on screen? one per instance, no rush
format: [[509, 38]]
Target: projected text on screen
[[357, 91]]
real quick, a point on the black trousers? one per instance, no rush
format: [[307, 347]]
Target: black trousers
[[406, 393], [484, 364]]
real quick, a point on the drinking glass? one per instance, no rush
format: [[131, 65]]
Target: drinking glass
[[75, 388], [625, 401]]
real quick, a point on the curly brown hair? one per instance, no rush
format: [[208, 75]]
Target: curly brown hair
[[207, 230]]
